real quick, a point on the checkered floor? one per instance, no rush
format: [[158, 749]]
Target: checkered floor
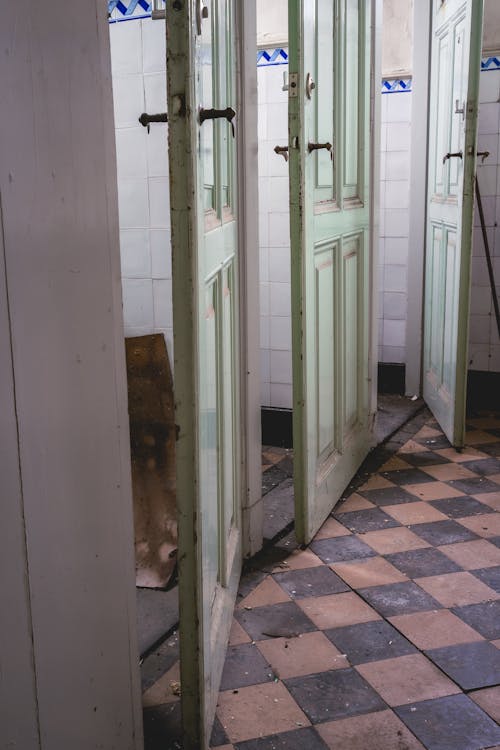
[[383, 634]]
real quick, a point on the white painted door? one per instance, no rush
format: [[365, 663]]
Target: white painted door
[[201, 71], [455, 66], [330, 181]]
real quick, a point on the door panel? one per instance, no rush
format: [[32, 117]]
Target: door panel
[[201, 74], [455, 66], [331, 252]]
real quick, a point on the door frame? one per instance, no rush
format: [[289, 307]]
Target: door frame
[[248, 216]]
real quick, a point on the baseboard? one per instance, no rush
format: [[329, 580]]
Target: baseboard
[[391, 378], [483, 391], [277, 427]]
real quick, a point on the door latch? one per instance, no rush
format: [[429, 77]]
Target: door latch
[[146, 119], [283, 150], [310, 85], [483, 154], [218, 114], [317, 146], [456, 154]]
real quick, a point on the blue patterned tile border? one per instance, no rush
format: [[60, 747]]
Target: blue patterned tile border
[[490, 63], [129, 10], [277, 56], [396, 85]]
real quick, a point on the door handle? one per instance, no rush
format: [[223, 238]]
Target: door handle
[[146, 119], [283, 150], [218, 114], [457, 154], [317, 146]]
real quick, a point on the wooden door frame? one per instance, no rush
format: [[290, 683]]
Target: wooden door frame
[[251, 441]]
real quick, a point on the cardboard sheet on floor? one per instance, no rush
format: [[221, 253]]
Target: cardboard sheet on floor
[[152, 436]]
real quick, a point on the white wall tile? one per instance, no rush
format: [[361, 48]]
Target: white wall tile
[[279, 264], [155, 92], [161, 253], [397, 194], [488, 118], [135, 253], [398, 136], [395, 278], [263, 262], [133, 203], [393, 354], [128, 99], [264, 298], [277, 121], [131, 152], [487, 177], [281, 367], [157, 150], [279, 194], [159, 202], [265, 332], [162, 298], [265, 393], [279, 299], [394, 306], [153, 46], [138, 304], [265, 365], [398, 107], [281, 396], [126, 48], [480, 300], [489, 143], [479, 357], [394, 332], [479, 329], [280, 333], [397, 165], [489, 86], [279, 229], [397, 222]]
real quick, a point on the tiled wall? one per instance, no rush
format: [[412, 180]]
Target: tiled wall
[[275, 315], [484, 341], [394, 218], [139, 84]]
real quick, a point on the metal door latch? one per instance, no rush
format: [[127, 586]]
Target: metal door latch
[[483, 154], [283, 150], [457, 154], [146, 119], [215, 114], [317, 146]]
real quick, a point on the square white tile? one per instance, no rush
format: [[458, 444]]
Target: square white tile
[[280, 334], [281, 367], [138, 304], [135, 253], [161, 253], [159, 202], [162, 298], [133, 202]]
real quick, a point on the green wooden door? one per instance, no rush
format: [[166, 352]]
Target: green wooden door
[[201, 65], [455, 66], [329, 106]]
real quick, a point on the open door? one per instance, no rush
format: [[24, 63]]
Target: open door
[[201, 70], [330, 181], [455, 67]]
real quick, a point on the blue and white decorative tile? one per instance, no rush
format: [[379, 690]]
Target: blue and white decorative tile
[[277, 56], [396, 85], [490, 63], [129, 10]]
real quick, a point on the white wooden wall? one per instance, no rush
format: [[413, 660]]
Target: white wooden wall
[[68, 655]]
